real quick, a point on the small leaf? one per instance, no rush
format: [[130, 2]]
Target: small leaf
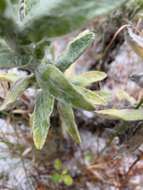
[[58, 164], [88, 156], [41, 118], [68, 121], [56, 178], [52, 79], [124, 114], [67, 179], [87, 78], [16, 91], [65, 171], [75, 49], [135, 41]]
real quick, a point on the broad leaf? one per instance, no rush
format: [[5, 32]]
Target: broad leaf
[[55, 82], [41, 118], [68, 121], [16, 91], [88, 78], [59, 17], [135, 41], [74, 49], [95, 97], [125, 114]]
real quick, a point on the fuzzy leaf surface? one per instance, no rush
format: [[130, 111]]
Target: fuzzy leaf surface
[[8, 57], [88, 78], [41, 118], [52, 79], [95, 97], [75, 49], [68, 121], [124, 114]]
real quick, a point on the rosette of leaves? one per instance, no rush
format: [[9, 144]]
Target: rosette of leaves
[[23, 44], [68, 92], [55, 85]]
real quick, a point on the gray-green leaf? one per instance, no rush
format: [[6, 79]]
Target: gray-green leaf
[[41, 118], [124, 114], [95, 97], [52, 79], [68, 121], [75, 49], [88, 78], [8, 57]]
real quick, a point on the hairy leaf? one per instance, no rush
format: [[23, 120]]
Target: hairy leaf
[[8, 57], [41, 118], [59, 17], [68, 121], [55, 82], [74, 49], [95, 97], [124, 114], [16, 90], [88, 78]]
